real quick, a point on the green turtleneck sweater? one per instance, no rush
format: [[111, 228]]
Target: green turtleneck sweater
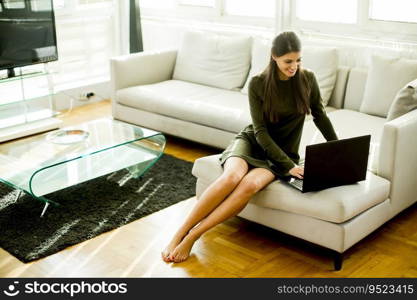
[[275, 145]]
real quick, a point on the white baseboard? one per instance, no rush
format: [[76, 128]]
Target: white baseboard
[[67, 97]]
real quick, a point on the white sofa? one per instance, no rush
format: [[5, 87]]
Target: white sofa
[[145, 93]]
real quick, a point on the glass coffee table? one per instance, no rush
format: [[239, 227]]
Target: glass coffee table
[[49, 162]]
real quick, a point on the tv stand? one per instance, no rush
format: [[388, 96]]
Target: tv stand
[[11, 73], [26, 103]]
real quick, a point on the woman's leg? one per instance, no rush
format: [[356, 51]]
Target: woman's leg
[[235, 169], [253, 182]]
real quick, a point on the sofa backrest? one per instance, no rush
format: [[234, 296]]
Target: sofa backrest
[[215, 60]]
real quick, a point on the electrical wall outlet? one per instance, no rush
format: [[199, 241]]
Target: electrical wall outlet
[[82, 97], [85, 96]]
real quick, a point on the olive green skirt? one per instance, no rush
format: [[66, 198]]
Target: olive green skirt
[[245, 146]]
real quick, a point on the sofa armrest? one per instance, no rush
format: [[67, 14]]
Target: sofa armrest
[[142, 68], [398, 160]]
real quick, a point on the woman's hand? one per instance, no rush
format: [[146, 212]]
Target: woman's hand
[[297, 172]]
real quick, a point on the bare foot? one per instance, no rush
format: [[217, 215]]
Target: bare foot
[[182, 251], [170, 247]]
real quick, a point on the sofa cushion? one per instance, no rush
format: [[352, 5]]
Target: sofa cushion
[[213, 59], [355, 88], [213, 107], [321, 60], [337, 204], [405, 101], [347, 124], [385, 78]]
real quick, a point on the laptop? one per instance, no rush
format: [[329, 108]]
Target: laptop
[[332, 164]]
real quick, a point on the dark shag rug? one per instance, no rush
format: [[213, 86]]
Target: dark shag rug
[[90, 208]]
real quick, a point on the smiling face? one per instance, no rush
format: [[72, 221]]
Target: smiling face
[[288, 64]]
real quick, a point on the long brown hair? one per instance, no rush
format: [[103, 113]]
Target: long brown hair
[[284, 43]]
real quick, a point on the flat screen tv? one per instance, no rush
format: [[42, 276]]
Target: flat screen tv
[[27, 33]]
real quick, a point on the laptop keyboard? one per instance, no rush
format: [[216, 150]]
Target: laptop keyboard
[[297, 182]]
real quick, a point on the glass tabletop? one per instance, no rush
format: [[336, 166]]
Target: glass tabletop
[[65, 157]]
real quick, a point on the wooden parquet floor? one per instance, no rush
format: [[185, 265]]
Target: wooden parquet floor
[[236, 248]]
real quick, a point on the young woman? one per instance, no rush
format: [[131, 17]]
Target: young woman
[[279, 99]]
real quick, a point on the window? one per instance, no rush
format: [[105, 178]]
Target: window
[[399, 10], [58, 4], [40, 5], [14, 4], [260, 8], [157, 4], [164, 4], [87, 38], [374, 19], [69, 6], [203, 3], [258, 13], [334, 11], [83, 2]]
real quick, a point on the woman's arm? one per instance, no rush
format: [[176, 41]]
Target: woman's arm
[[317, 110], [273, 151]]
